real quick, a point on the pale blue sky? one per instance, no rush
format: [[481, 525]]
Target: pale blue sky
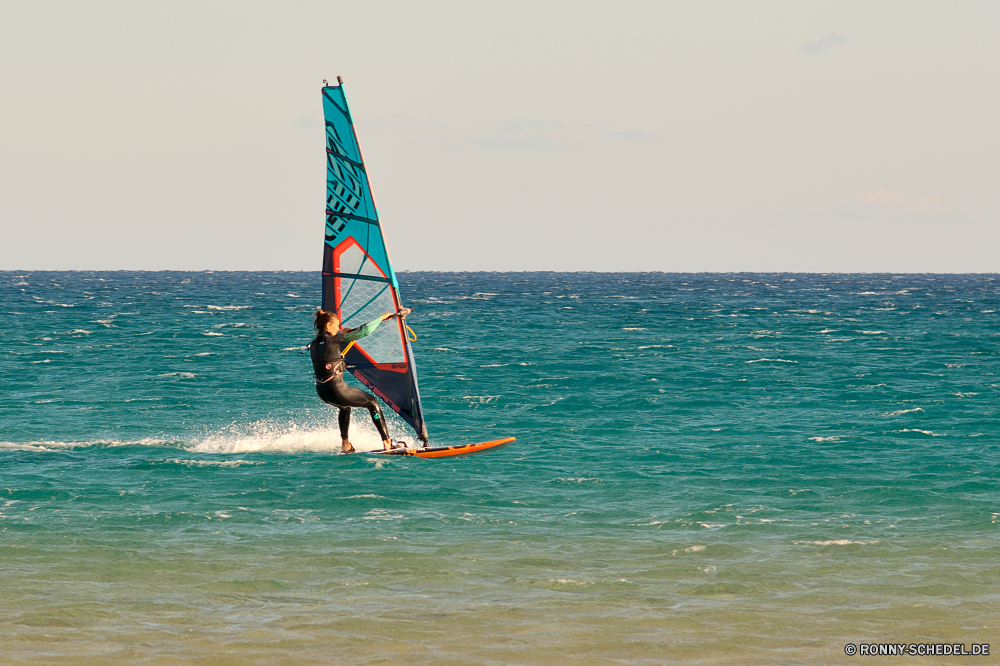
[[765, 136]]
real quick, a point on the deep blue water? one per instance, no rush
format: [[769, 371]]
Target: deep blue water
[[712, 468]]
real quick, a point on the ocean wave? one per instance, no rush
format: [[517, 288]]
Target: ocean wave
[[47, 445], [900, 412], [16, 446], [772, 360], [482, 399], [382, 514], [834, 542], [228, 307], [575, 585], [211, 463]]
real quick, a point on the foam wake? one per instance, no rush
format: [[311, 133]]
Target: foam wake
[[269, 436], [260, 436]]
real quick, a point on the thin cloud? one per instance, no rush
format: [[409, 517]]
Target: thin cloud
[[550, 137], [644, 138], [894, 199], [828, 42], [930, 205], [398, 123], [526, 135], [884, 197], [311, 121]]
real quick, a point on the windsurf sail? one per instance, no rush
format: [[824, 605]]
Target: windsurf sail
[[358, 281]]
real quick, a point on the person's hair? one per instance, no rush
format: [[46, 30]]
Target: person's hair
[[323, 318]]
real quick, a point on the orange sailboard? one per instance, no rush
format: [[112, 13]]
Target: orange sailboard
[[450, 451]]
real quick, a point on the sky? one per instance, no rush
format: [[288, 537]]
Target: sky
[[566, 136]]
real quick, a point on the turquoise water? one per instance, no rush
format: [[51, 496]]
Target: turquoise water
[[710, 468]]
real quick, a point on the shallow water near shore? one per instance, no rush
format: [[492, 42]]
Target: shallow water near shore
[[710, 468]]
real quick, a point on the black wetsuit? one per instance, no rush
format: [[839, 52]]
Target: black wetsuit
[[329, 367]]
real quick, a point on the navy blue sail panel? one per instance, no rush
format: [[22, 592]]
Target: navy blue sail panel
[[358, 281]]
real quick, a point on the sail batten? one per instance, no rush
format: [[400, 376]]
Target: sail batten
[[359, 283]]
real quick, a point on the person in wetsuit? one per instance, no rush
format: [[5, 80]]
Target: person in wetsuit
[[329, 366]]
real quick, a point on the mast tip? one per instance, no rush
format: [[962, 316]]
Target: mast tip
[[340, 80]]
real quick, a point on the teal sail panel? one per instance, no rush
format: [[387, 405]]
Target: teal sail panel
[[358, 281]]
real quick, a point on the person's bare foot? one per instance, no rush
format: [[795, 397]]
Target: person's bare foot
[[347, 447], [387, 444]]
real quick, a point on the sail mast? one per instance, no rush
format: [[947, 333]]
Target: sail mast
[[359, 282]]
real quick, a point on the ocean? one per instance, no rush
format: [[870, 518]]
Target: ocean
[[709, 469]]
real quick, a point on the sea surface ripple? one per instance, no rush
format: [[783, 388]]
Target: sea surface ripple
[[710, 468]]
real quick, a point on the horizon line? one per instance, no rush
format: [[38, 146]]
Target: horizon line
[[219, 270]]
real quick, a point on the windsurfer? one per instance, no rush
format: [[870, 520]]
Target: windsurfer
[[329, 366]]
